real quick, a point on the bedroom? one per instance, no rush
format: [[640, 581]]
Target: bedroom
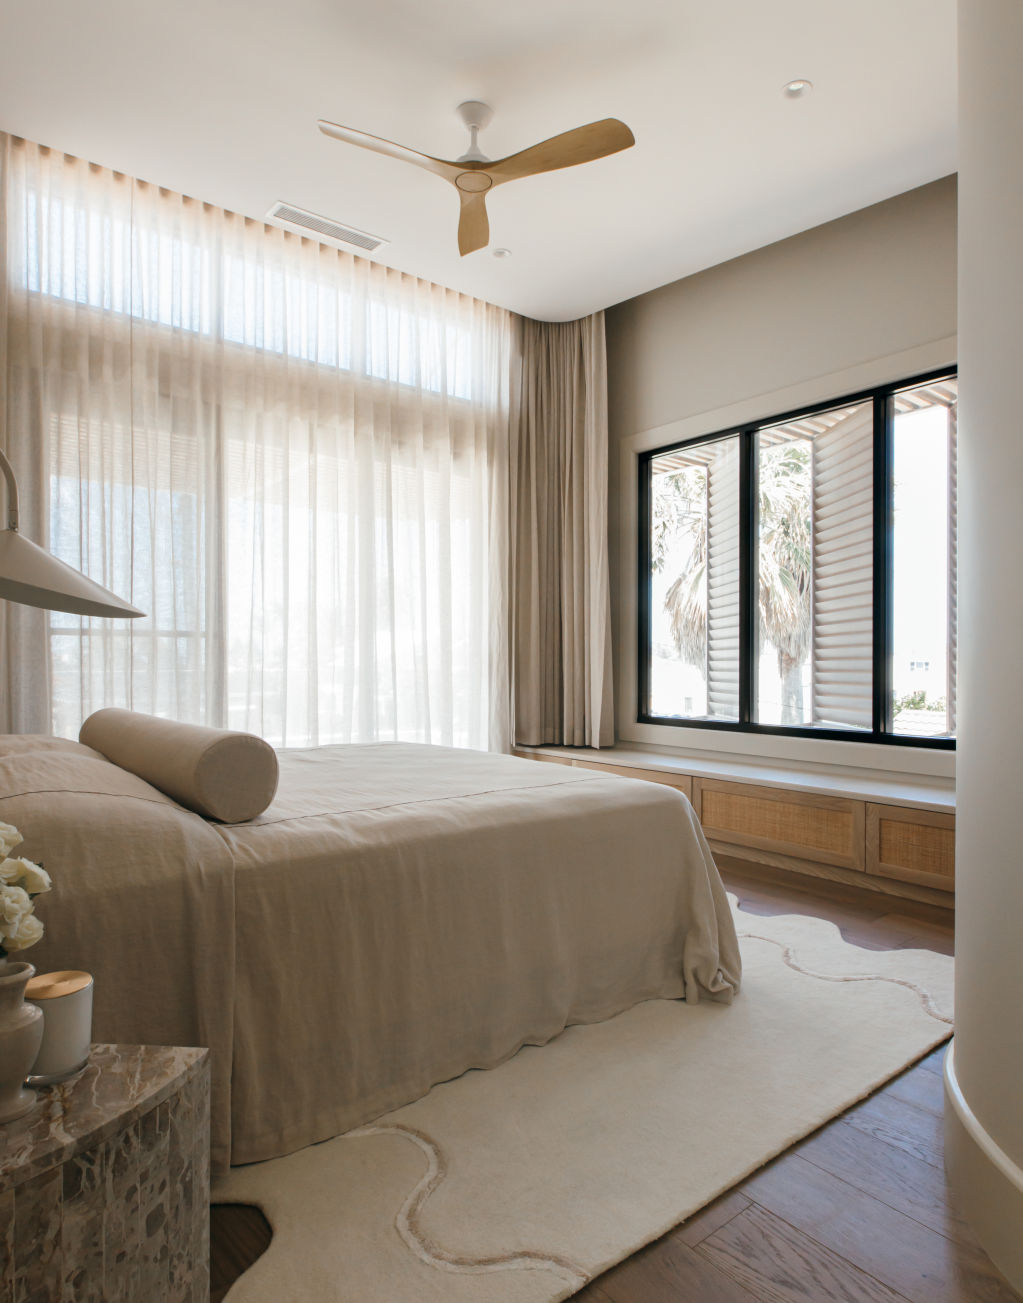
[[753, 332]]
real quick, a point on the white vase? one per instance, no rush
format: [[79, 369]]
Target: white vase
[[21, 1032]]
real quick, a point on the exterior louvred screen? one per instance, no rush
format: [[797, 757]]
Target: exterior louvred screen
[[843, 572], [694, 582], [723, 582]]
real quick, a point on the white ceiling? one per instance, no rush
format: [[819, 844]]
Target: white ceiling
[[219, 99]]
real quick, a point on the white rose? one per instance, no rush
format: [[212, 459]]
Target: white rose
[[14, 905], [26, 932], [24, 873], [9, 838]]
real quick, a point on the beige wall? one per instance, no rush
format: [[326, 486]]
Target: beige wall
[[851, 303], [868, 285]]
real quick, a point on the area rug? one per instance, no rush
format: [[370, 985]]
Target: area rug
[[520, 1184]]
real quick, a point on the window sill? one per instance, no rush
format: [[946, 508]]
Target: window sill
[[924, 792]]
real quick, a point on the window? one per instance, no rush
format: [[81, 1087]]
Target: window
[[798, 574]]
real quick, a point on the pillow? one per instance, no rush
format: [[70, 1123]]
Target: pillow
[[222, 774]]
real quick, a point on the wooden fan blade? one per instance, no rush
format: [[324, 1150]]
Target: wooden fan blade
[[378, 145], [582, 145], [473, 223]]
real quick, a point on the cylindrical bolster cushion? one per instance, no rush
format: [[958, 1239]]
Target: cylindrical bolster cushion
[[218, 773]]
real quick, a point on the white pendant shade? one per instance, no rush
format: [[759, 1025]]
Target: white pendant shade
[[30, 575]]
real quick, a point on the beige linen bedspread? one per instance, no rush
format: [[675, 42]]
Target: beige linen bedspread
[[406, 912], [399, 914]]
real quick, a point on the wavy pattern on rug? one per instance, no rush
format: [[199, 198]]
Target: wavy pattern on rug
[[925, 997], [408, 1227], [519, 1184]]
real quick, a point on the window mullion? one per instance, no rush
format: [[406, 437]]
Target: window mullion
[[882, 705], [643, 592], [747, 577]]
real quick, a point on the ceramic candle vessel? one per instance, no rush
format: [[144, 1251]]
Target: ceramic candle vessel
[[65, 999], [21, 1033]]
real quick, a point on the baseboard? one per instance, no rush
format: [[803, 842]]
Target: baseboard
[[986, 1183]]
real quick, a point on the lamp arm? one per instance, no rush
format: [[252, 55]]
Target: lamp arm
[[12, 491]]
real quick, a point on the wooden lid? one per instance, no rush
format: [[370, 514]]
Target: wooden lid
[[47, 986]]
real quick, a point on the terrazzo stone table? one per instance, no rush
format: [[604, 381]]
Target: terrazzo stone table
[[104, 1186]]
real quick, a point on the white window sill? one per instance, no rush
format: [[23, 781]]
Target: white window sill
[[926, 792]]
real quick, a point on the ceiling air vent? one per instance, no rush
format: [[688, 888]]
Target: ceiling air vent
[[305, 223]]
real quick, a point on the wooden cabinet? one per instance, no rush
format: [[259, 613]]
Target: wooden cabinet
[[911, 845], [825, 829], [897, 848]]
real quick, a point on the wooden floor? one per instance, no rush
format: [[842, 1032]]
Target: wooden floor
[[858, 1212]]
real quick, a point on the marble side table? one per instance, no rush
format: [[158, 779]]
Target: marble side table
[[104, 1186]]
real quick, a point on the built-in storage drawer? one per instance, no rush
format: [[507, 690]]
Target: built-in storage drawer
[[911, 845], [807, 826]]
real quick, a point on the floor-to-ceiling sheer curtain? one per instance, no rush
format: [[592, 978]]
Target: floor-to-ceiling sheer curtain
[[293, 459]]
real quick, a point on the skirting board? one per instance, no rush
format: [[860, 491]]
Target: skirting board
[[746, 856], [987, 1184]]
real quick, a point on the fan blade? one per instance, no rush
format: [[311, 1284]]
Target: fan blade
[[473, 223], [378, 145], [582, 145]]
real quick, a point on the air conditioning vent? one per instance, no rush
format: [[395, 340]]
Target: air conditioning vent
[[305, 223]]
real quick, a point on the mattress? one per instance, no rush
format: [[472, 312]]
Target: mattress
[[400, 914]]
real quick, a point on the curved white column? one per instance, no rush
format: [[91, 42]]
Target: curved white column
[[984, 1102]]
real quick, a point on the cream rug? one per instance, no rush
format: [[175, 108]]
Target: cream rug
[[519, 1184]]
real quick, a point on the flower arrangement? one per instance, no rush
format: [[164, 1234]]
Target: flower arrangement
[[20, 882]]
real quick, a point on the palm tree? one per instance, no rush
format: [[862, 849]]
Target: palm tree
[[784, 564]]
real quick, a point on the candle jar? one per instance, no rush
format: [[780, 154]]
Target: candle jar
[[66, 1001]]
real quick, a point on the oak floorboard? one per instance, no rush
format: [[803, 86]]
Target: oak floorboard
[[891, 1175], [921, 1090], [923, 934], [709, 1219], [591, 1293], [669, 1271], [935, 1061], [777, 1263], [903, 1254], [890, 1119], [239, 1234]]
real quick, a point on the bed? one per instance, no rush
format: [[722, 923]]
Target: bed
[[399, 914]]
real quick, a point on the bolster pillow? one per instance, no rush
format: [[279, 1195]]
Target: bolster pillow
[[218, 773]]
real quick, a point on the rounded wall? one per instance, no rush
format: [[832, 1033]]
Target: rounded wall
[[985, 1119]]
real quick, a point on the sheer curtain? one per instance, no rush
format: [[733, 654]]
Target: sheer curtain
[[293, 459]]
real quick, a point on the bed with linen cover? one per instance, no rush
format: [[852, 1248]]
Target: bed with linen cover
[[400, 913]]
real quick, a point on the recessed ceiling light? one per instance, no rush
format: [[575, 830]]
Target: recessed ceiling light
[[501, 253], [795, 90]]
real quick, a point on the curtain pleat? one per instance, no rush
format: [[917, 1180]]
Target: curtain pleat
[[294, 460], [560, 594]]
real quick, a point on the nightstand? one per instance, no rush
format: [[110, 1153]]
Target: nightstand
[[104, 1186]]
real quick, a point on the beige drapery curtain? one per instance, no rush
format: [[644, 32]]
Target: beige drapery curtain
[[559, 560], [294, 460]]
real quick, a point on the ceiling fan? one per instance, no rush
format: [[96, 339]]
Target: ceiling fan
[[474, 174]]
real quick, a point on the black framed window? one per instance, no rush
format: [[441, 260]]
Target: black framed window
[[797, 575]]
